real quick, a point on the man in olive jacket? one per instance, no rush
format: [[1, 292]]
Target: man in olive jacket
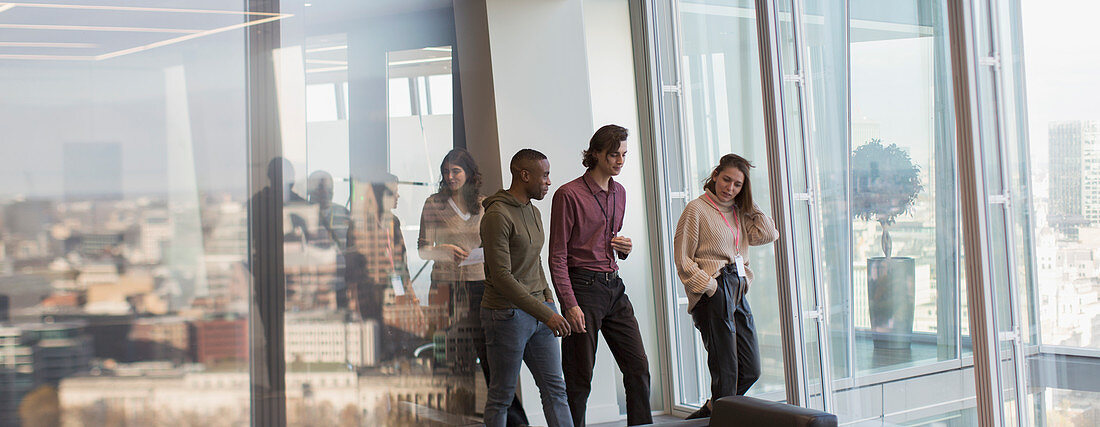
[[518, 312]]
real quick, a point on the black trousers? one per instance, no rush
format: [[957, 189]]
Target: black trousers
[[602, 298], [516, 414], [729, 335]]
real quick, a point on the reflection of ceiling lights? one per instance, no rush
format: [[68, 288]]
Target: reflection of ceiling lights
[[47, 44], [326, 61], [420, 61], [327, 49], [326, 69], [439, 49], [188, 34], [97, 28]]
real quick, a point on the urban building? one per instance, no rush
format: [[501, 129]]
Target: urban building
[[38, 354], [1074, 164], [220, 340], [212, 211], [164, 338], [326, 337]]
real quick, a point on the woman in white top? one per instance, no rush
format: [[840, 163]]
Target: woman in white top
[[450, 225], [711, 253]]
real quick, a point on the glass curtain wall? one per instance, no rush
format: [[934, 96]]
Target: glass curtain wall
[[710, 106], [867, 109], [869, 124], [193, 187], [376, 333], [1041, 165], [124, 272]]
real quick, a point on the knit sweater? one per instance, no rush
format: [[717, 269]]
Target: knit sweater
[[512, 235], [703, 243], [440, 224]]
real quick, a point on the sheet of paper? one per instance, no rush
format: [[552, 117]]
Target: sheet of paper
[[397, 284], [477, 256]]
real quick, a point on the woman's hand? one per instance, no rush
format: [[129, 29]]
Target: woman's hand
[[456, 252]]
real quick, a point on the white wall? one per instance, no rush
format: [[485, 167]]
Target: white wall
[[543, 101], [560, 70], [611, 77]]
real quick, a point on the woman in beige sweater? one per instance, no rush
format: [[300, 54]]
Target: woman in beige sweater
[[450, 226], [711, 246]]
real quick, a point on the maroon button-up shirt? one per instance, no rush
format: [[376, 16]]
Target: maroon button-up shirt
[[583, 219]]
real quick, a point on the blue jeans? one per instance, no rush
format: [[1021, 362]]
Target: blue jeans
[[512, 336], [516, 416]]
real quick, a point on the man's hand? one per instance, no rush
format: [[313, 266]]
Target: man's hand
[[457, 253], [622, 244], [576, 319], [559, 325]]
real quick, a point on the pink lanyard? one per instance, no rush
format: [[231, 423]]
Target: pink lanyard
[[736, 232]]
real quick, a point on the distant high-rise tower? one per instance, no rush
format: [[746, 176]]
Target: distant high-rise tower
[[93, 170], [1074, 175]]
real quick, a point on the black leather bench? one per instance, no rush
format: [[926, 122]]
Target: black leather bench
[[737, 411]]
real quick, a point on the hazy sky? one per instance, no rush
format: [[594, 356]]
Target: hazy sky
[[1062, 64]]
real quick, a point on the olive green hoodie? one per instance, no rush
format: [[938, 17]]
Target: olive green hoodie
[[512, 236]]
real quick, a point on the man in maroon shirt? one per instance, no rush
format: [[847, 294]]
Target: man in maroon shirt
[[585, 219]]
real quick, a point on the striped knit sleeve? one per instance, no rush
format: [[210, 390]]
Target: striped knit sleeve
[[426, 243], [685, 243], [760, 229]]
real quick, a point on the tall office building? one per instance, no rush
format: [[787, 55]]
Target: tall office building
[[93, 170], [35, 354], [1090, 155], [16, 371], [1074, 180]]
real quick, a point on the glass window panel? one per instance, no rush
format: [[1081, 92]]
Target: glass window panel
[[375, 333], [787, 60], [825, 71], [892, 163], [321, 102], [441, 88], [672, 145], [1052, 144], [1009, 384], [666, 47], [796, 155], [124, 278], [800, 215], [886, 308], [999, 262], [691, 360], [991, 132], [812, 364], [721, 105], [400, 98]]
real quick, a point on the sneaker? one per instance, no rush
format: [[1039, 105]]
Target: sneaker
[[703, 412]]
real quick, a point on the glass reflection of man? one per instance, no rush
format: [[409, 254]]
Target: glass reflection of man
[[328, 233], [332, 220]]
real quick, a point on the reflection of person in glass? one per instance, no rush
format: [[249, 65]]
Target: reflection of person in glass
[[449, 227], [377, 261], [518, 311], [332, 220], [313, 248], [329, 232], [710, 249], [586, 217]]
